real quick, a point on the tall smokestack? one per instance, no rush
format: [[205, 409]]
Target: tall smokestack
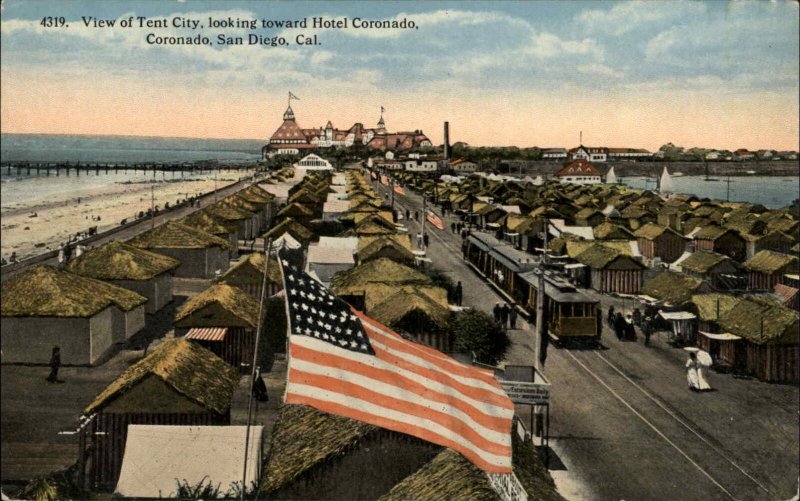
[[447, 140]]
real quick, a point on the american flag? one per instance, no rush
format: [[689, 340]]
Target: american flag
[[435, 220], [399, 190], [344, 363], [384, 180]]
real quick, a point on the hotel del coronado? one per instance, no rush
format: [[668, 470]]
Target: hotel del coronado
[[291, 139]]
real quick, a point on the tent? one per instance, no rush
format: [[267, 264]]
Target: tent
[[157, 455]]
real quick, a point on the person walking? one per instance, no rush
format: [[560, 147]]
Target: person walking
[[611, 316], [419, 240], [55, 364], [416, 215], [619, 326], [497, 309], [694, 375], [504, 311], [260, 388], [452, 227], [425, 239], [459, 294], [512, 316], [408, 214], [646, 330]]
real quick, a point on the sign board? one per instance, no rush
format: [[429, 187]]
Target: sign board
[[507, 486], [527, 393], [519, 373]]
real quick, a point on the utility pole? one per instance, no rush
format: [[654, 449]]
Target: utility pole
[[392, 196], [215, 186], [267, 253], [424, 217], [152, 207], [541, 330]]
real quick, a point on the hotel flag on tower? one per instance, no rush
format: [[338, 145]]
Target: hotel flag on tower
[[345, 363]]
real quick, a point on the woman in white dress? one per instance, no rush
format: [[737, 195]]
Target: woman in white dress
[[694, 374]]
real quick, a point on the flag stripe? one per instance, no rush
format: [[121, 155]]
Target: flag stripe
[[399, 361], [397, 421], [380, 333], [486, 414], [408, 403], [452, 363]]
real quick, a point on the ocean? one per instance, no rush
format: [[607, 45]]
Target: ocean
[[125, 149], [770, 191]]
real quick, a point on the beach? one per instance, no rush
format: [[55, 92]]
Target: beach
[[61, 213]]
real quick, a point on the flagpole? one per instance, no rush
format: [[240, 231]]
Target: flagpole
[[267, 252]]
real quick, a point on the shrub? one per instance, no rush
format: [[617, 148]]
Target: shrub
[[476, 332]]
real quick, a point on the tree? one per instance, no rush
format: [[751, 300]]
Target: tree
[[476, 332]]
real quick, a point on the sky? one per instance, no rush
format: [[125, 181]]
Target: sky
[[626, 74]]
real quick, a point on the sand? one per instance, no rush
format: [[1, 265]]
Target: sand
[[61, 215]]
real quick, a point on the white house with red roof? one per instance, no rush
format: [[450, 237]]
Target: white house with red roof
[[579, 172], [590, 153]]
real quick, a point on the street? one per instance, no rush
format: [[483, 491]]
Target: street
[[624, 425]]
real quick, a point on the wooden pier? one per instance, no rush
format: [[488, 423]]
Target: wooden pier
[[76, 168]]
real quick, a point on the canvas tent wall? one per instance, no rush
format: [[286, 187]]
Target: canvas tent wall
[[155, 455]]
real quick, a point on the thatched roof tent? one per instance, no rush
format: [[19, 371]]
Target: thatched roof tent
[[219, 306], [711, 232], [240, 202], [364, 206], [767, 261], [576, 247], [712, 307], [372, 227], [119, 261], [403, 240], [611, 231], [380, 270], [260, 192], [387, 246], [670, 287], [44, 291], [295, 210], [204, 221], [376, 293], [173, 235], [762, 320], [303, 438], [297, 230], [186, 367], [448, 476], [399, 305], [250, 271], [702, 261], [651, 231], [228, 212]]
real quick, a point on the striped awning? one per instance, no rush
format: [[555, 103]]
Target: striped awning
[[207, 333]]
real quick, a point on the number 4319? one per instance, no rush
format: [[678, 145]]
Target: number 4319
[[53, 22]]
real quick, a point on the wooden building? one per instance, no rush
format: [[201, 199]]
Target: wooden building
[[299, 232], [725, 348], [144, 272], [247, 274], [178, 383], [766, 269], [721, 240], [232, 313], [201, 254], [611, 270], [217, 226], [243, 219], [673, 289], [776, 241], [394, 247], [771, 334], [44, 307], [351, 285], [656, 241], [718, 269]]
